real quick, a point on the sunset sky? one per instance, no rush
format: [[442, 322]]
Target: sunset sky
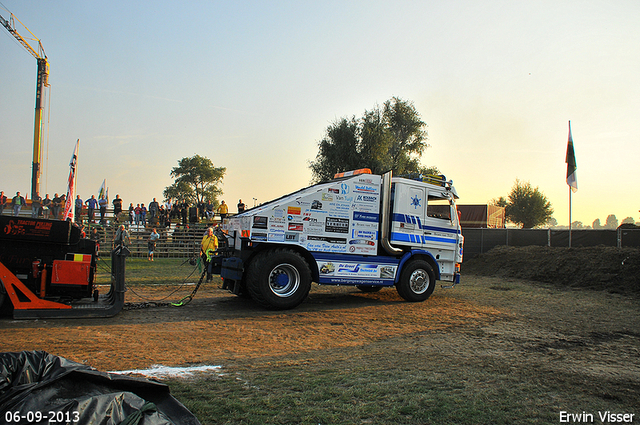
[[254, 85]]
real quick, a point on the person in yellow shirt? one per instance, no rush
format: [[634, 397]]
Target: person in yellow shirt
[[208, 247], [223, 210]]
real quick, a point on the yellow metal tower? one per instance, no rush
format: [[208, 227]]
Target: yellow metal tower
[[42, 82]]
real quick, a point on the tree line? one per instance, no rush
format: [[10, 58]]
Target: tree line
[[391, 136], [611, 222]]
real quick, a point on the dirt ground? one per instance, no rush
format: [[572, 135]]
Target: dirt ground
[[556, 327]]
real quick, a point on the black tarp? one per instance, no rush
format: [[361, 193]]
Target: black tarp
[[35, 381]]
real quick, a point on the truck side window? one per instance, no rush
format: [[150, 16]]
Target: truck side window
[[439, 208]]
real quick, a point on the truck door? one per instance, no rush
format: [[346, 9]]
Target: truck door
[[408, 214], [440, 224]]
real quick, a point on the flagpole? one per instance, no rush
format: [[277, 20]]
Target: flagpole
[[569, 194], [75, 177], [570, 216]]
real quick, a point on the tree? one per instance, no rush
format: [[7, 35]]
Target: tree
[[596, 224], [408, 137], [389, 138], [499, 202], [338, 151], [628, 220], [612, 222], [196, 180], [526, 206]]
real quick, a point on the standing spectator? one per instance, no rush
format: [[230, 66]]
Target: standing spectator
[[36, 204], [168, 206], [209, 210], [223, 210], [162, 217], [208, 247], [132, 213], [241, 206], [143, 215], [153, 209], [94, 236], [151, 243], [63, 202], [17, 203], [56, 202], [78, 209], [92, 204], [3, 202], [103, 202], [138, 212], [46, 206], [122, 236], [184, 212], [117, 207]]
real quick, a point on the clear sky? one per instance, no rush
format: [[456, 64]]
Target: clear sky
[[253, 86]]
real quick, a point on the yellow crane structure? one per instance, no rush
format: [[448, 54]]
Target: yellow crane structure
[[42, 82]]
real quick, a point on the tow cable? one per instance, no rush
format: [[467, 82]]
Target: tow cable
[[210, 253], [186, 300]]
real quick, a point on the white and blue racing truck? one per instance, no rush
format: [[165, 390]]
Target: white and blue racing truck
[[359, 229]]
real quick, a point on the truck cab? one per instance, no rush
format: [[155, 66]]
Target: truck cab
[[425, 218]]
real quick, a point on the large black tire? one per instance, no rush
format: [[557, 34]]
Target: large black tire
[[417, 281], [244, 292], [279, 279], [6, 307]]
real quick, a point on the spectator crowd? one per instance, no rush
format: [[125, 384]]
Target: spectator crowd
[[94, 210]]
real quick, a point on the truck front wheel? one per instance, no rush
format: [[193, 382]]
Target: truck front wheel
[[279, 279], [417, 281]]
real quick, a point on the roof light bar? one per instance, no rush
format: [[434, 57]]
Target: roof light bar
[[352, 173]]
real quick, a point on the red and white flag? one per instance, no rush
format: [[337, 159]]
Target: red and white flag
[[71, 187], [572, 177]]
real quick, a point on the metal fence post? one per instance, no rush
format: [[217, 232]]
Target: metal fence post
[[619, 237]]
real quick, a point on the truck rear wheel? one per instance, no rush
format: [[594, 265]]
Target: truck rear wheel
[[279, 279], [417, 281]]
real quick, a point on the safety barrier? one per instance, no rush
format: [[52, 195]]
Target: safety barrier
[[478, 241], [175, 241]]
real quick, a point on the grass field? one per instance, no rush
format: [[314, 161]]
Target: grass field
[[161, 271], [397, 381], [490, 351]]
